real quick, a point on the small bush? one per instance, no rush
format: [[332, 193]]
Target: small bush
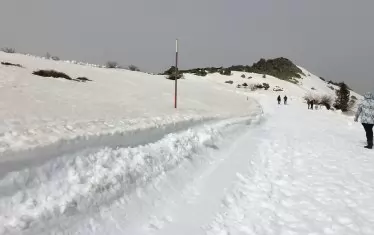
[[322, 79], [112, 64], [133, 68], [8, 50], [201, 72], [56, 58], [229, 82], [313, 88], [244, 84], [331, 87], [249, 77], [83, 79], [11, 64], [226, 72], [51, 73], [243, 76], [326, 101], [238, 86], [172, 76], [257, 86], [266, 86], [264, 76], [353, 97]]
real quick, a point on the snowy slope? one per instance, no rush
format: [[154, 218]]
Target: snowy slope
[[295, 91], [37, 111], [112, 156]]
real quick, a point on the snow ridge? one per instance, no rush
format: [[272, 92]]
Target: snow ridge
[[78, 183]]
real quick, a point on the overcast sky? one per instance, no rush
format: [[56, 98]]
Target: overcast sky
[[331, 38]]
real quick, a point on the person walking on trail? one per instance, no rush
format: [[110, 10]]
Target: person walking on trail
[[366, 111], [311, 104], [279, 99], [285, 99]]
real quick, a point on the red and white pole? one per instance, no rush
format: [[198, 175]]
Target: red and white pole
[[176, 74]]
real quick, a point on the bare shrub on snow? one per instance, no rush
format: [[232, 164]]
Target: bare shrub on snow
[[8, 50], [112, 64]]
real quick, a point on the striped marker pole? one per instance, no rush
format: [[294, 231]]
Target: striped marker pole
[[176, 74]]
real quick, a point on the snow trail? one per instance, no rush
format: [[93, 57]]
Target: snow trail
[[310, 176]]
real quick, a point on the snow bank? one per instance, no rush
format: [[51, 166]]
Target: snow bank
[[80, 182]]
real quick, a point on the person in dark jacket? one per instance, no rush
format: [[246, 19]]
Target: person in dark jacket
[[366, 111], [311, 104], [279, 99], [285, 99]]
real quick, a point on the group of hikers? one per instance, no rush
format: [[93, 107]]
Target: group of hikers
[[311, 104], [280, 99], [365, 111]]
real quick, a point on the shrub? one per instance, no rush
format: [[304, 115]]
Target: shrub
[[342, 98], [112, 64], [201, 72], [245, 84], [257, 86], [322, 79], [249, 77], [11, 64], [83, 79], [313, 88], [133, 68], [229, 82], [266, 86], [353, 97], [8, 50], [56, 58], [172, 76], [264, 76], [238, 86], [226, 72], [326, 101], [51, 73], [331, 87], [243, 76]]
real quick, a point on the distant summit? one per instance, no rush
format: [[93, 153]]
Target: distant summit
[[281, 68]]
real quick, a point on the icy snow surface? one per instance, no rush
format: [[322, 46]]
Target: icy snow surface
[[110, 157]]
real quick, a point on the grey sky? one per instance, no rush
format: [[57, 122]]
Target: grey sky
[[331, 38]]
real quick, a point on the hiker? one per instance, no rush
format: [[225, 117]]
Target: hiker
[[311, 104], [366, 111], [285, 99], [279, 99]]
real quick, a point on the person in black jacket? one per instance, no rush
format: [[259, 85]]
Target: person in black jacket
[[285, 99], [279, 99]]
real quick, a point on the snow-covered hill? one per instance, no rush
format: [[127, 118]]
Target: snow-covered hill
[[37, 111], [112, 155]]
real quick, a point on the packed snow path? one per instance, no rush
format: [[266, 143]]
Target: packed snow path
[[289, 171]]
